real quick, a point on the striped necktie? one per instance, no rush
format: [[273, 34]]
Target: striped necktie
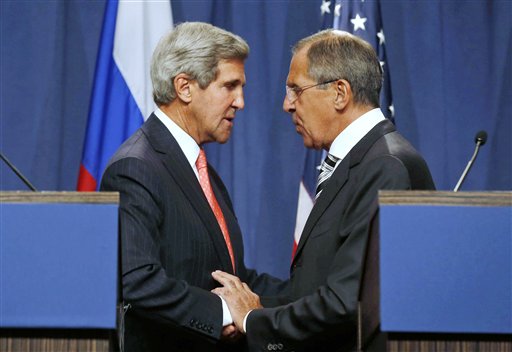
[[326, 170], [204, 181]]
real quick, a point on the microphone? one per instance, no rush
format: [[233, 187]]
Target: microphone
[[17, 172], [480, 139]]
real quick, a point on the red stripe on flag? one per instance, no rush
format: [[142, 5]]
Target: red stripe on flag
[[86, 183], [294, 249]]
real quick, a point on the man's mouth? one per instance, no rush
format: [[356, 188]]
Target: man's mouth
[[229, 120], [295, 121]]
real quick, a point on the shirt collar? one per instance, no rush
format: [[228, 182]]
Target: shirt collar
[[187, 144], [354, 132]]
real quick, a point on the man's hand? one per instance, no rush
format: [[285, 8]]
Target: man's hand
[[239, 297], [230, 333]]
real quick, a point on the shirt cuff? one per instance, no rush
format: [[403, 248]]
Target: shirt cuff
[[227, 319], [244, 325]]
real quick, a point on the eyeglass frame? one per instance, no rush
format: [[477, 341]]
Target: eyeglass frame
[[299, 90]]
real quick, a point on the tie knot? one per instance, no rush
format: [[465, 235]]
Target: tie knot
[[201, 160], [326, 170], [329, 162]]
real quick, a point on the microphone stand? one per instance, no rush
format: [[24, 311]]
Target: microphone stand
[[468, 166], [17, 172]]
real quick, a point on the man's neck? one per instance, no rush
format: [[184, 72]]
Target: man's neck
[[178, 113], [346, 118]]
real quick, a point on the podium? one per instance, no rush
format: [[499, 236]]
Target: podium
[[438, 273], [58, 271]]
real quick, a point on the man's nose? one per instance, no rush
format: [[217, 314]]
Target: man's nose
[[239, 102], [287, 106]]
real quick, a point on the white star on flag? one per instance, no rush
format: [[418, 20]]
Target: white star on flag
[[337, 10], [325, 7], [392, 109], [358, 22], [382, 38]]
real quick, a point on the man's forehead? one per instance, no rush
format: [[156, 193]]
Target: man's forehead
[[231, 70], [231, 64], [298, 67]]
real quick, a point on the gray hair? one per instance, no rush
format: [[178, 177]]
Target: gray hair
[[333, 54], [193, 48]]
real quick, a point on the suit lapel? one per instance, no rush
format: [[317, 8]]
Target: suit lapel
[[179, 168], [339, 178], [333, 186]]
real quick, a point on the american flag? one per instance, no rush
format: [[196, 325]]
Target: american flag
[[363, 19]]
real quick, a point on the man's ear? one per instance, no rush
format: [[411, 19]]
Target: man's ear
[[343, 94], [182, 83]]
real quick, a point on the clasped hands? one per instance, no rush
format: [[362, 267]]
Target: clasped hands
[[239, 298]]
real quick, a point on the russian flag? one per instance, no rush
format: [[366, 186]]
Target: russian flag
[[122, 91]]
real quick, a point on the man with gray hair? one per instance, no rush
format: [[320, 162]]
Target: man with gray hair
[[177, 223], [332, 93]]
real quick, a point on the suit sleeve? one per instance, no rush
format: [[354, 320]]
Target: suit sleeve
[[145, 284], [272, 291], [332, 308]]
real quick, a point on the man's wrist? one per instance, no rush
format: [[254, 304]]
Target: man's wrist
[[227, 319], [244, 325]]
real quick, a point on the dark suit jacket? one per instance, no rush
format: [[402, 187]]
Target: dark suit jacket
[[170, 244], [326, 270]]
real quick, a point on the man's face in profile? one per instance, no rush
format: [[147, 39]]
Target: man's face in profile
[[213, 108]]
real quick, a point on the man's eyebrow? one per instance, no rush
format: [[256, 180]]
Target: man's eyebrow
[[235, 81]]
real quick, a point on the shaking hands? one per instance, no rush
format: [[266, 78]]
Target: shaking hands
[[238, 296]]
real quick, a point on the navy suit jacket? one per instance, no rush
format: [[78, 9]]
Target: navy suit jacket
[[321, 313], [170, 244]]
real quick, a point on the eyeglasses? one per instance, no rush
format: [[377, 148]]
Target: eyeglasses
[[292, 94]]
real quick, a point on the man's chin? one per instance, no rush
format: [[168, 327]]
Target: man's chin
[[308, 143], [223, 138]]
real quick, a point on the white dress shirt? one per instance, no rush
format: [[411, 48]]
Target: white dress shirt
[[187, 144], [353, 133]]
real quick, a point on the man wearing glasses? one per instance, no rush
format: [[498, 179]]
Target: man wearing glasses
[[332, 93]]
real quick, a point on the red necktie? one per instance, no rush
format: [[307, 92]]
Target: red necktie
[[204, 180]]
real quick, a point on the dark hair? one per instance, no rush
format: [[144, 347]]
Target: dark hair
[[334, 54]]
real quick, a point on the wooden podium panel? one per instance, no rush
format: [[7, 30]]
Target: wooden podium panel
[[407, 342], [57, 340], [59, 271], [438, 273]]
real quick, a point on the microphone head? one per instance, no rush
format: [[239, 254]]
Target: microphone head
[[481, 137]]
